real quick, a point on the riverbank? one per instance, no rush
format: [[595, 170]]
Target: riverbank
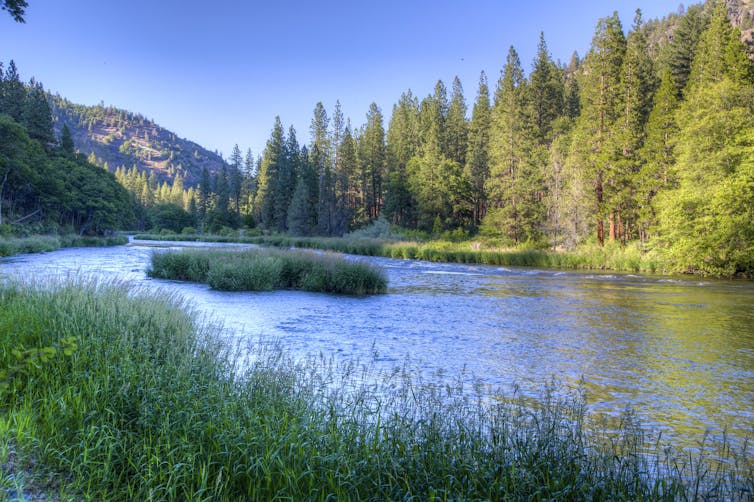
[[612, 256], [120, 395], [268, 269], [10, 246]]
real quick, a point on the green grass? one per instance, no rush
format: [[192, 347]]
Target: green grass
[[265, 270], [111, 395], [612, 256], [42, 243]]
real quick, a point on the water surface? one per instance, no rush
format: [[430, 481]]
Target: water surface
[[680, 351]]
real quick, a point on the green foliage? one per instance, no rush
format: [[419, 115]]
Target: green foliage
[[711, 231], [169, 216], [16, 8], [149, 405], [263, 270]]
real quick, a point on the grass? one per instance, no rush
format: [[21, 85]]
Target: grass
[[264, 270], [112, 395], [10, 246], [612, 256]]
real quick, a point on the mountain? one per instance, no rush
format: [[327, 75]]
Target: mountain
[[113, 137]]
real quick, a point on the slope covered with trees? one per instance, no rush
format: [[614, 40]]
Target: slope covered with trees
[[114, 138], [44, 184]]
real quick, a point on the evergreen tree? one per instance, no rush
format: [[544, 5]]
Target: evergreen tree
[[268, 178], [683, 45], [372, 156], [572, 98], [456, 127], [402, 145], [36, 115], [477, 167], [13, 94], [637, 87], [546, 93], [657, 155], [514, 187], [705, 223], [346, 167], [299, 214], [205, 195], [235, 179], [66, 141], [720, 52], [600, 97], [16, 8]]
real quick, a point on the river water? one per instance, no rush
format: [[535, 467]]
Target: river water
[[679, 351]]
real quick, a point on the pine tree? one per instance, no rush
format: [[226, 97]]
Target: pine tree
[[268, 178], [720, 52], [658, 152], [637, 87], [402, 145], [456, 126], [477, 167], [235, 179], [14, 93], [372, 156], [515, 186], [705, 223], [36, 115], [546, 93], [683, 45], [346, 166], [16, 8], [299, 216], [600, 95], [66, 141], [205, 196], [572, 98]]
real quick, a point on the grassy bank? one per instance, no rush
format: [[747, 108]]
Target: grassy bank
[[265, 269], [108, 395], [10, 246], [610, 257]]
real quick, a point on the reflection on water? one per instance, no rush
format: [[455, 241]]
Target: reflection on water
[[680, 352]]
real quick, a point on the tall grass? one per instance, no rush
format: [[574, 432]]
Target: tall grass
[[10, 246], [123, 396], [264, 270], [612, 256]]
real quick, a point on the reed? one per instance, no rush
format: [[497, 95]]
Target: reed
[[266, 269], [612, 256], [111, 394], [10, 246]]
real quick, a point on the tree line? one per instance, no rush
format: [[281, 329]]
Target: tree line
[[646, 139]]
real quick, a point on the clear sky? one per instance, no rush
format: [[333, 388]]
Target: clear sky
[[218, 72]]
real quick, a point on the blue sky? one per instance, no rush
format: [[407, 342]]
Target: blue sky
[[219, 72]]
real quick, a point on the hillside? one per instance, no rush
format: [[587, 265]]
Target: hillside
[[115, 137]]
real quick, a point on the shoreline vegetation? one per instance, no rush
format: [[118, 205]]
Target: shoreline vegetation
[[10, 246], [609, 257], [113, 394], [268, 269]]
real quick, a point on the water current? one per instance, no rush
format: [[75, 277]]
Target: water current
[[677, 350]]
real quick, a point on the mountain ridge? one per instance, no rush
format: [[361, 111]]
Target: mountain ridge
[[112, 137]]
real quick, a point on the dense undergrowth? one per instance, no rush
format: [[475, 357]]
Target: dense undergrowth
[[268, 269], [10, 246], [612, 256], [111, 394]]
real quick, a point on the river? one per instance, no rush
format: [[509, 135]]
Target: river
[[679, 351]]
